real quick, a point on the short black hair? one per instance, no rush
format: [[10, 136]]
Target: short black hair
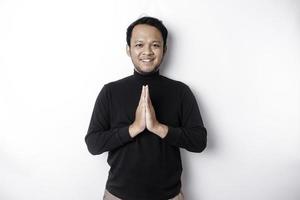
[[152, 21]]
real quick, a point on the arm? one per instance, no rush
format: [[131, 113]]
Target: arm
[[100, 137], [192, 134]]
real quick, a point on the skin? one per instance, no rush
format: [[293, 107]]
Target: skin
[[146, 48], [146, 52]]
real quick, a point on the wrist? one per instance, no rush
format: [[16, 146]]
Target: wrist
[[133, 130], [161, 130]]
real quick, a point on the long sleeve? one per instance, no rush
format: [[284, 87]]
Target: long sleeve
[[147, 160], [100, 137], [192, 134]]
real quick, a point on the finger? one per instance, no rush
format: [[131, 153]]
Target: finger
[[145, 91], [142, 96], [148, 104], [148, 96]]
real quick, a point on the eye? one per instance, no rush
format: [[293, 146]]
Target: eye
[[156, 45], [139, 45]]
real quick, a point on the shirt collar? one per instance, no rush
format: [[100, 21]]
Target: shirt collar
[[148, 76]]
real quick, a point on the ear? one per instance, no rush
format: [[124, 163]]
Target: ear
[[128, 50], [165, 49]]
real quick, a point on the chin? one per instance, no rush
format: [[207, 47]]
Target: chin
[[146, 70]]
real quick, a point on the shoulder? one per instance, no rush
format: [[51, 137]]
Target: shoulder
[[173, 82], [118, 82], [106, 88], [180, 86]]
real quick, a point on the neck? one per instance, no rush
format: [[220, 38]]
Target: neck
[[146, 75]]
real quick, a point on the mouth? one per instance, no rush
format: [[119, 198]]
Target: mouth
[[147, 60]]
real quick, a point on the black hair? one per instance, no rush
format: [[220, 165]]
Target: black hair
[[148, 21]]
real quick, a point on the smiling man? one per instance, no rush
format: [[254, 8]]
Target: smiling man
[[146, 48], [143, 120]]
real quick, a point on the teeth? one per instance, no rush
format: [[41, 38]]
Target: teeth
[[146, 60]]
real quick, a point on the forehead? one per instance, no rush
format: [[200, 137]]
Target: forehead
[[146, 32]]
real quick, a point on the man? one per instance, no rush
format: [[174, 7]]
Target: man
[[142, 120]]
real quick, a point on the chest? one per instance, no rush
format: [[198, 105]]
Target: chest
[[123, 105]]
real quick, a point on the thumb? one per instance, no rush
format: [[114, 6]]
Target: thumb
[[142, 96]]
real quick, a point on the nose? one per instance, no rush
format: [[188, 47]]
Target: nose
[[147, 50]]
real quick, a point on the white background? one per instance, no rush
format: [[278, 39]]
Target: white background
[[240, 58]]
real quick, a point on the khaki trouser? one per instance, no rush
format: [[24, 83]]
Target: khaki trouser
[[109, 196]]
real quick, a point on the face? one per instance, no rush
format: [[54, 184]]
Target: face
[[146, 48]]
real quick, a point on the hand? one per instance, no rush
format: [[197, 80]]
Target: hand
[[145, 117], [151, 122], [139, 123]]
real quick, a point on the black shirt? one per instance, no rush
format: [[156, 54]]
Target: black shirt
[[145, 167]]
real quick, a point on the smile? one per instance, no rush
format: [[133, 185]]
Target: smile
[[147, 60]]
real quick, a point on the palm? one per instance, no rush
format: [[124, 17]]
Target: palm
[[150, 112]]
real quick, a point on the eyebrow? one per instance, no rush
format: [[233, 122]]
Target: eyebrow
[[143, 41]]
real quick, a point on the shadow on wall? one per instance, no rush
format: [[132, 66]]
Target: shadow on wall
[[168, 56]]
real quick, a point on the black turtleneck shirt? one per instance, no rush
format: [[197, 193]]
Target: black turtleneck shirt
[[146, 167]]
